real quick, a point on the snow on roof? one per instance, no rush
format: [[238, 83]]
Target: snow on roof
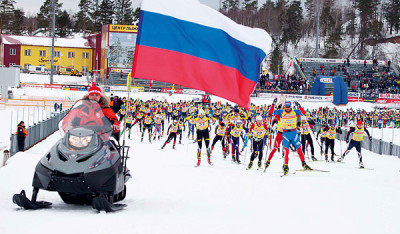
[[77, 42]]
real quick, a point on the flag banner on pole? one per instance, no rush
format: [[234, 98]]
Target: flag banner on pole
[[189, 44], [128, 82]]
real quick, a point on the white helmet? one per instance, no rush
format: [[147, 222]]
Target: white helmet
[[303, 118], [259, 117], [239, 122], [201, 112]]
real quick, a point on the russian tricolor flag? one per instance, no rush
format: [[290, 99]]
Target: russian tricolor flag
[[187, 43]]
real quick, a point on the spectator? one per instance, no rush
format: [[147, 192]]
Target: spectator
[[55, 107], [365, 63], [60, 107], [21, 135]]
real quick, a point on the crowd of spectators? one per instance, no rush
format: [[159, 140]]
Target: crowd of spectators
[[286, 83], [371, 80]]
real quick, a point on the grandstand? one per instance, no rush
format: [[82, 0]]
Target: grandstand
[[355, 69]]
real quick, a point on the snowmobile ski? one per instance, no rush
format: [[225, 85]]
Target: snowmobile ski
[[100, 203], [22, 201]]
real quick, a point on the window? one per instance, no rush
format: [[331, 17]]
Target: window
[[85, 70], [38, 68], [13, 51], [85, 55], [26, 66], [27, 52], [12, 64], [71, 54], [57, 54], [42, 53], [56, 67]]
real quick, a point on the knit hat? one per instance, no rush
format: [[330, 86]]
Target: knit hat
[[94, 89], [359, 122]]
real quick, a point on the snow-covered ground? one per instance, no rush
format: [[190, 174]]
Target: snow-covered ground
[[169, 195]]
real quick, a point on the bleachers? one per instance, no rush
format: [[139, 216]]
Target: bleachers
[[354, 68]]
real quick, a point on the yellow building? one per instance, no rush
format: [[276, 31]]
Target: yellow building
[[36, 51]]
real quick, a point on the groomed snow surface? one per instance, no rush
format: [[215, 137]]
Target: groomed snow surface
[[169, 195]]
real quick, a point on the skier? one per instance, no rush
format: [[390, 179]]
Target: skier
[[147, 125], [235, 132], [257, 131], [172, 129], [202, 131], [220, 134], [358, 135], [330, 140], [289, 134], [306, 136], [322, 131]]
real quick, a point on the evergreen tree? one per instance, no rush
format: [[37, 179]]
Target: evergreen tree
[[136, 14], [392, 15], [332, 45], [6, 14], [326, 20], [82, 17], [44, 16], [292, 27], [229, 5], [106, 12], [123, 12], [276, 59], [63, 24], [95, 16], [250, 4], [16, 26]]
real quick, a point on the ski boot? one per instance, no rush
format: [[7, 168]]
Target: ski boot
[[313, 158], [250, 165], [180, 142], [332, 158], [305, 166], [238, 160], [173, 146], [149, 138], [154, 138], [162, 147], [209, 157], [129, 136], [233, 158], [198, 158], [341, 159], [326, 157], [141, 139], [361, 164], [259, 165], [285, 169], [267, 165], [159, 137]]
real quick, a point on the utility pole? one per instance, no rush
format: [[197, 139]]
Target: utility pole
[[317, 33], [53, 24]]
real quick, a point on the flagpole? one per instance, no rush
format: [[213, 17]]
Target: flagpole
[[128, 88]]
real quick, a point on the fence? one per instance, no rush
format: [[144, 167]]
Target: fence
[[38, 132], [375, 145]]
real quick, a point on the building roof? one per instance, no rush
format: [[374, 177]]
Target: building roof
[[77, 42]]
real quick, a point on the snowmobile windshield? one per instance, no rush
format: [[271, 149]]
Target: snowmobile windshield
[[87, 114]]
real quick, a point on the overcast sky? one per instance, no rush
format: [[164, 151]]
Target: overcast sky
[[33, 6]]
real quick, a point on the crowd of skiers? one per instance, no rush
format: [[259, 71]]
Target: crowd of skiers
[[263, 127]]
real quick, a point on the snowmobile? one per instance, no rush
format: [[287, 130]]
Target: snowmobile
[[85, 167]]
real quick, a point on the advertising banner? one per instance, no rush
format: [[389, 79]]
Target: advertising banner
[[389, 96], [387, 101]]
